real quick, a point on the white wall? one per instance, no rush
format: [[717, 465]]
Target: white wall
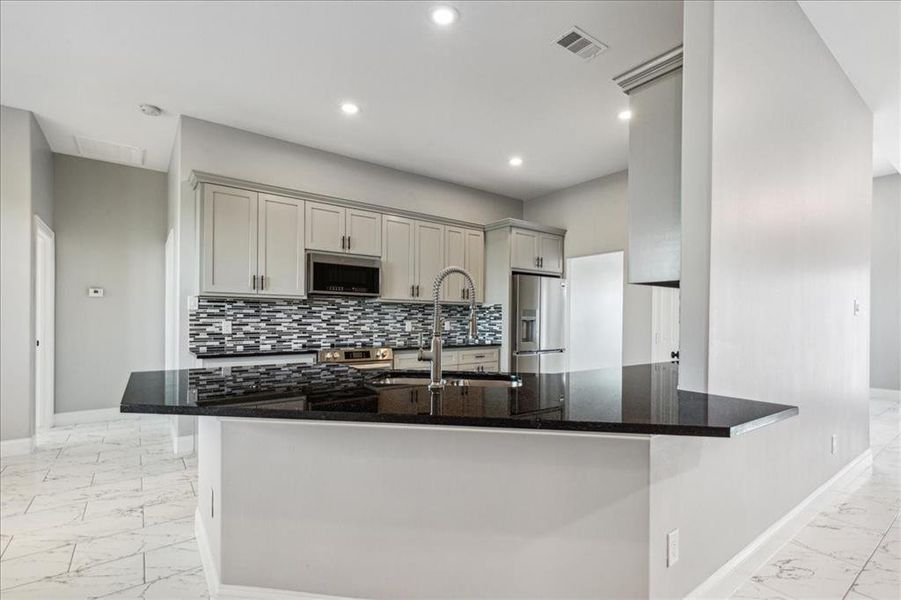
[[26, 181], [594, 215], [885, 285], [110, 232], [789, 249]]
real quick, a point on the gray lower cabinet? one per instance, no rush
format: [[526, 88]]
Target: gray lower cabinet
[[481, 360]]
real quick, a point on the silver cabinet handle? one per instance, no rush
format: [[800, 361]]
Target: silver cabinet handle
[[253, 282], [412, 290], [417, 290], [262, 282], [541, 261], [537, 261], [348, 242], [342, 242]]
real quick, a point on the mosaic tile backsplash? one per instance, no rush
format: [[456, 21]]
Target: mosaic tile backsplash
[[290, 325]]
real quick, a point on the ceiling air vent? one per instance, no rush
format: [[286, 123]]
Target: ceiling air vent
[[109, 151], [581, 44]]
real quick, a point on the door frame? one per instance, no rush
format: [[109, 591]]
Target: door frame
[[44, 323]]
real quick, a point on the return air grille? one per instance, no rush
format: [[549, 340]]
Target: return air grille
[[581, 44], [110, 151]]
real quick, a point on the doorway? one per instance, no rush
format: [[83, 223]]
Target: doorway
[[595, 291], [44, 332]]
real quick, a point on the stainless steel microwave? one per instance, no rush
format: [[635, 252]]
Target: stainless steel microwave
[[337, 275]]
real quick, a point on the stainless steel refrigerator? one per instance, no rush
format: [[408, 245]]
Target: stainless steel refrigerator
[[539, 324]]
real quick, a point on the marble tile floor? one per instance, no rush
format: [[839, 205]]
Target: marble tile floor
[[100, 510], [852, 549], [104, 510]]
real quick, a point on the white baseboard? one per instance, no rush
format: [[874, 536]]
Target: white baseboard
[[86, 416], [727, 579], [183, 444], [224, 591], [17, 447], [885, 394]]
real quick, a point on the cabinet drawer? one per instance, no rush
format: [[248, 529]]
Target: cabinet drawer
[[479, 356], [483, 367], [409, 362]]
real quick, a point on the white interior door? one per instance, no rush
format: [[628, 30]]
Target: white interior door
[[44, 334], [281, 255], [595, 293], [664, 323]]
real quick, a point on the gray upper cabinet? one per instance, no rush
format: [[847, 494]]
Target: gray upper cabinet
[[464, 248], [338, 229], [325, 227], [655, 169], [364, 232], [523, 249], [429, 257], [229, 240], [251, 244], [536, 251], [398, 252], [281, 249]]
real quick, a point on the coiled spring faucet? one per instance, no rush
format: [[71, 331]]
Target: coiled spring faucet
[[434, 353]]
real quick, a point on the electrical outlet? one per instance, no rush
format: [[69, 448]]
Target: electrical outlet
[[672, 547], [95, 292], [447, 325], [408, 326], [834, 443], [856, 307], [225, 326], [192, 303]]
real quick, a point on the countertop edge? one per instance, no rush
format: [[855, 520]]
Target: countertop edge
[[303, 351]]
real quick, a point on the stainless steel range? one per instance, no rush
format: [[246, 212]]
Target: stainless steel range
[[359, 358]]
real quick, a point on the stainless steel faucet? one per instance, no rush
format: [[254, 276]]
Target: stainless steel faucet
[[434, 354]]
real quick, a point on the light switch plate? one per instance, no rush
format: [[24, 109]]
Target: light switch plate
[[834, 443], [408, 326], [672, 547], [225, 326], [95, 292], [447, 325], [192, 303]]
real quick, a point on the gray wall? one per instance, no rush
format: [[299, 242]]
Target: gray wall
[[789, 251], [595, 215], [26, 182], [885, 285], [210, 147], [110, 232]]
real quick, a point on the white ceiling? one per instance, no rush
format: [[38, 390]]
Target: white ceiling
[[865, 38], [450, 103]]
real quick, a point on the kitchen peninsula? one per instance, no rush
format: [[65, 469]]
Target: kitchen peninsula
[[318, 479]]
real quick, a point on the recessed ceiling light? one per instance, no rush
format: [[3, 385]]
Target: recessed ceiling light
[[625, 115], [349, 108], [444, 15], [515, 161], [150, 110]]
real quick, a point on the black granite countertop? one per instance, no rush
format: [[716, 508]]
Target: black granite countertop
[[314, 349], [640, 399]]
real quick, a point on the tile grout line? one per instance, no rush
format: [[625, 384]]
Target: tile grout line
[[870, 557]]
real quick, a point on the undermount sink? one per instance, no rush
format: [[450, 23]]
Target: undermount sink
[[459, 379]]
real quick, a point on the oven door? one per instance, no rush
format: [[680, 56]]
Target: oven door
[[332, 274]]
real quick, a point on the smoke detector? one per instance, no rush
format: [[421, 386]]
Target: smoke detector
[[150, 110], [110, 151], [581, 43]]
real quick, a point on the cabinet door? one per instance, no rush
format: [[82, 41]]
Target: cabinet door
[[454, 255], [398, 235], [229, 246], [281, 257], [325, 227], [523, 249], [475, 260], [364, 232], [429, 257], [550, 250]]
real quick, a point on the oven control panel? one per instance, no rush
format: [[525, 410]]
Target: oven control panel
[[353, 355]]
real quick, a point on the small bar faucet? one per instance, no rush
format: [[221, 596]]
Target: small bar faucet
[[434, 354]]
